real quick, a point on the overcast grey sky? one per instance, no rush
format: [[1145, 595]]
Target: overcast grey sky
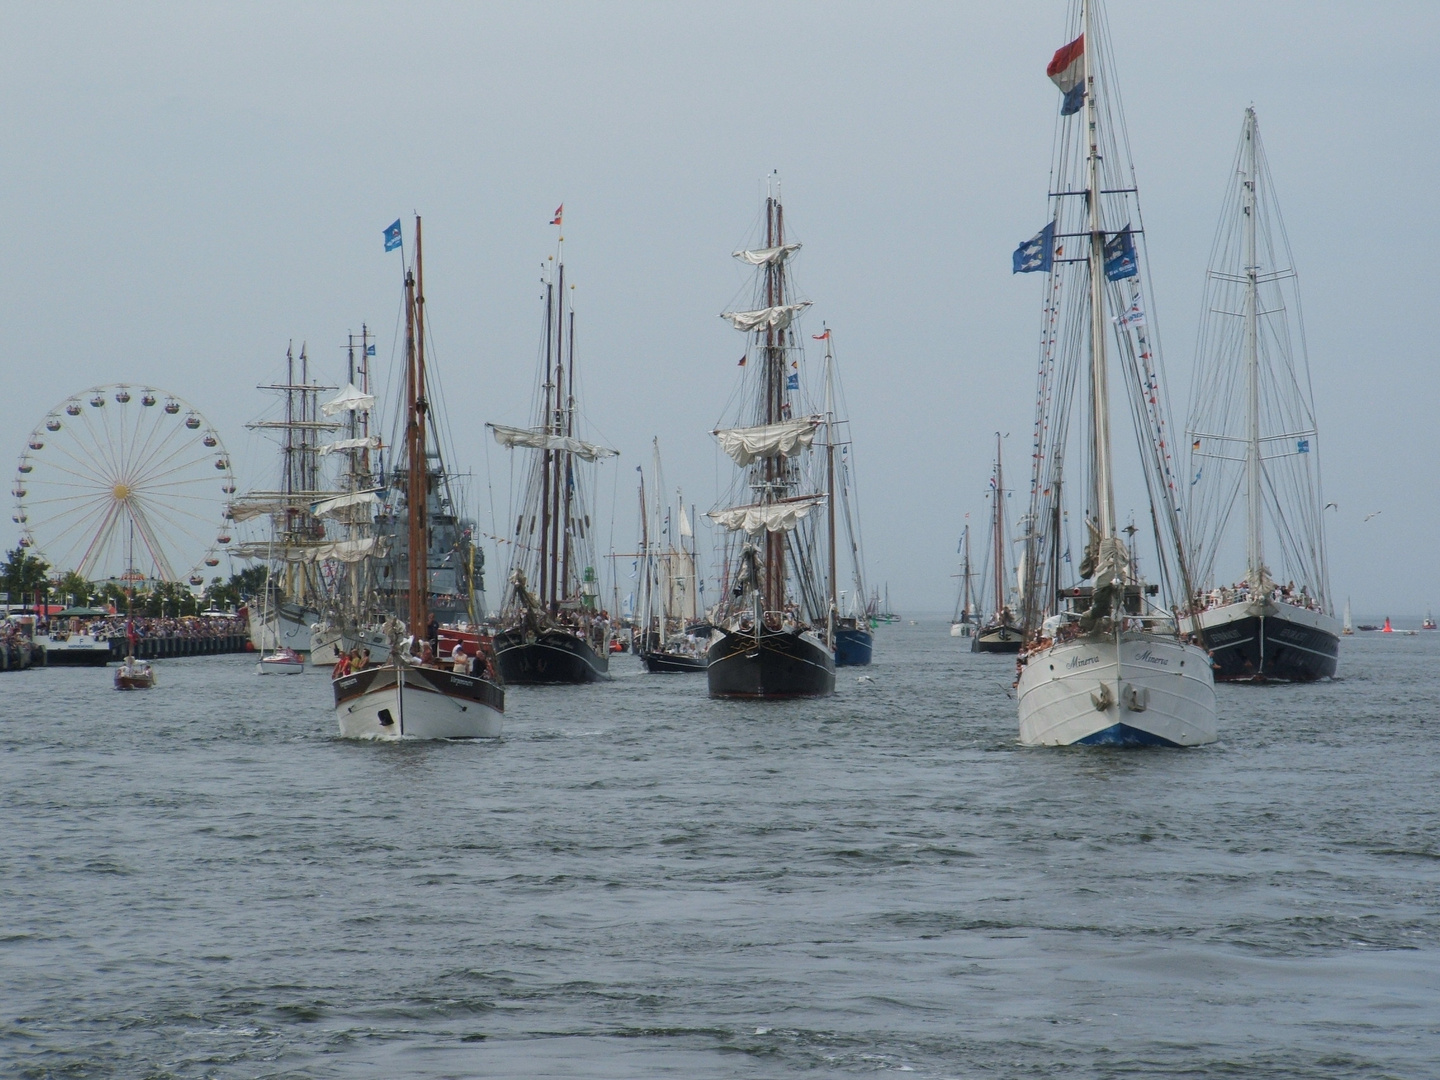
[[188, 187]]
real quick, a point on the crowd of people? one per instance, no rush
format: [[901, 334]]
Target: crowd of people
[[184, 626], [14, 646], [1243, 593]]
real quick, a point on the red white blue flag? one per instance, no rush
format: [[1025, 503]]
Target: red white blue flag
[[1067, 71]]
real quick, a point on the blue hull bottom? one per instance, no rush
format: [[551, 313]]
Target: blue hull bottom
[[1124, 735], [853, 647]]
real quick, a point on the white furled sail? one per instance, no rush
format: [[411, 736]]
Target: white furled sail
[[771, 318], [766, 517], [351, 399], [771, 256], [332, 507], [371, 442], [541, 440], [786, 439]]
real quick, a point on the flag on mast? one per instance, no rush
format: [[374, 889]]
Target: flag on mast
[[559, 214], [392, 236], [1067, 71], [1037, 253]]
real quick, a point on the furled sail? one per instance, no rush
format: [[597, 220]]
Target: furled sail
[[770, 318], [544, 440], [746, 444], [351, 399], [345, 551], [370, 443], [766, 517], [771, 256], [332, 507]]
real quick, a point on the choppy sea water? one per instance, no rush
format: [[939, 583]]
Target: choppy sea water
[[203, 881]]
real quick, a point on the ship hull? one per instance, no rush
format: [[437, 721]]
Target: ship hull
[[779, 664], [996, 638], [854, 647], [417, 703], [673, 663], [549, 658], [1146, 690], [1268, 642], [79, 650]]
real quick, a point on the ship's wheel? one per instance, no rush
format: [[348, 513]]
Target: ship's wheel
[[124, 480]]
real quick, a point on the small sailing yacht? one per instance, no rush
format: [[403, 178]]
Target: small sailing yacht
[[1104, 663], [554, 630], [670, 638], [1348, 627], [769, 639], [412, 695], [963, 622], [1000, 632], [854, 639], [1252, 430]]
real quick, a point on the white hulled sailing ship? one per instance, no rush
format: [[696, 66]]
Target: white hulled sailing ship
[[772, 633], [1000, 632], [965, 619], [411, 694], [552, 627], [1104, 662], [670, 637], [1252, 431]]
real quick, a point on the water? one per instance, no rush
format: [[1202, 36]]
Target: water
[[203, 881]]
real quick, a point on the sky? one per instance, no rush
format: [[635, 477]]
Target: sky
[[192, 187]]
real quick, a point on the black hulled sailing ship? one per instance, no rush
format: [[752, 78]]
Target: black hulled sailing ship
[[553, 630], [1000, 631], [771, 630], [1252, 431]]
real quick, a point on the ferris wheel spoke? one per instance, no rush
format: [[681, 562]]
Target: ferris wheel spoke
[[186, 524], [101, 539], [152, 544], [98, 449], [61, 547], [87, 468], [141, 463], [173, 468]]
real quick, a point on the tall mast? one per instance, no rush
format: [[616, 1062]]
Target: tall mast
[[415, 441], [545, 423], [774, 398], [998, 533], [830, 483], [567, 480], [557, 427], [1255, 556], [965, 577], [1099, 381]]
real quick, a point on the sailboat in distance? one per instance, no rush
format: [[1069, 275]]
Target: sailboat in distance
[[1104, 661], [412, 694], [1252, 432], [553, 629], [962, 623], [772, 636], [1000, 632]]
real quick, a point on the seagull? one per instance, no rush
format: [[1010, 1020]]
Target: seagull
[[1332, 506], [1367, 517], [864, 678]]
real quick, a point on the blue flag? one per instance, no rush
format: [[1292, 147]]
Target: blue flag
[[792, 381], [392, 236], [1120, 256], [369, 350], [1037, 253], [1302, 446]]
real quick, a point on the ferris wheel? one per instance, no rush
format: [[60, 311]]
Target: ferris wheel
[[125, 482]]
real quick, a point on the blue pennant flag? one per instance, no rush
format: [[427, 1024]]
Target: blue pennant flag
[[1037, 253], [1120, 256], [792, 381], [369, 350], [392, 236]]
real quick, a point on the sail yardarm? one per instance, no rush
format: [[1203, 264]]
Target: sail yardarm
[[771, 318], [371, 442], [351, 399], [746, 444], [771, 256], [766, 517], [544, 440]]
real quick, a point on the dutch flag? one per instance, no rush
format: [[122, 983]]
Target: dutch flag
[[1067, 71]]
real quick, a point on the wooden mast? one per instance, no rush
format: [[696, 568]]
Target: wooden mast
[[774, 400], [416, 407], [544, 594], [557, 427], [998, 536], [567, 480], [833, 615]]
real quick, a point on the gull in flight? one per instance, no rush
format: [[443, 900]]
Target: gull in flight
[[1367, 517]]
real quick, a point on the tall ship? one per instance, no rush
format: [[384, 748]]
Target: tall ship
[[298, 540], [669, 636], [1105, 661], [552, 627], [772, 630], [1252, 437], [414, 694], [851, 631], [965, 619], [999, 632]]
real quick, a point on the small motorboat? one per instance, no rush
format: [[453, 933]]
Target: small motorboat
[[1428, 623], [281, 662], [134, 675]]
